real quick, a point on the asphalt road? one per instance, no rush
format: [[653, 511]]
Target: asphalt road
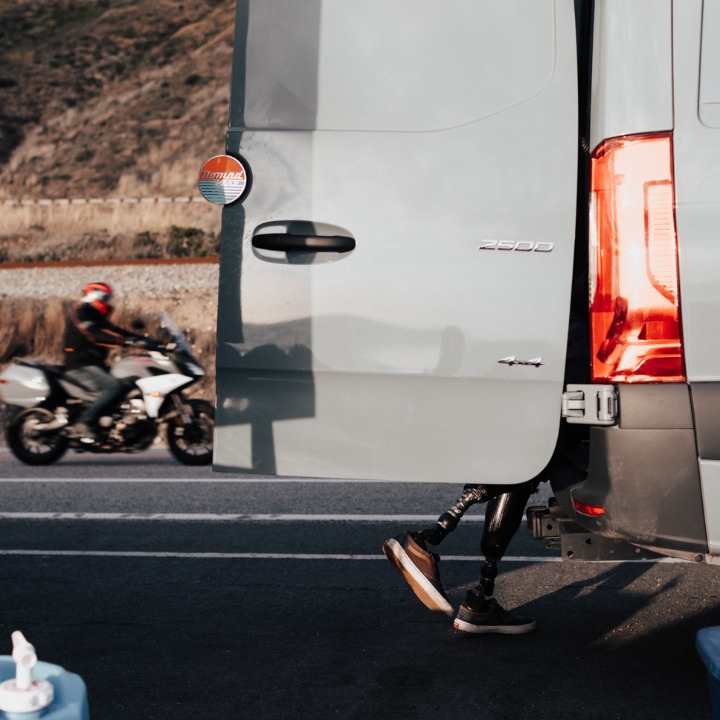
[[179, 593]]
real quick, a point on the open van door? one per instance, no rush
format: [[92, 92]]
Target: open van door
[[395, 281]]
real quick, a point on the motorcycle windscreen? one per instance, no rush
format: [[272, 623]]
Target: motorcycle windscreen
[[395, 286]]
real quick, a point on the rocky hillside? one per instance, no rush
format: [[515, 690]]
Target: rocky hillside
[[104, 98]]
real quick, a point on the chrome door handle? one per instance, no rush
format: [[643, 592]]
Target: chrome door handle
[[285, 242]]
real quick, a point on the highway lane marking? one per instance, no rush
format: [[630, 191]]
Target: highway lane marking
[[293, 556], [240, 556], [256, 480], [226, 517]]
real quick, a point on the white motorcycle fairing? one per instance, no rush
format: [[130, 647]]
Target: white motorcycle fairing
[[155, 389]]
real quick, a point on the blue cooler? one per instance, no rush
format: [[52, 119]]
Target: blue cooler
[[707, 642], [70, 696]]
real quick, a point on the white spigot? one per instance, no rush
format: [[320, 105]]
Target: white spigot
[[23, 694], [25, 660]]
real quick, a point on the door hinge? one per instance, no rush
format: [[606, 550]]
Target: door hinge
[[590, 404]]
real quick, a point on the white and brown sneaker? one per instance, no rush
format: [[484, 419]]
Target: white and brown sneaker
[[419, 568]]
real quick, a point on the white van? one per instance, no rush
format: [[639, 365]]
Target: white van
[[423, 184]]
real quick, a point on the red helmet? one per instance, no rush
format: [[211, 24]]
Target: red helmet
[[99, 296]]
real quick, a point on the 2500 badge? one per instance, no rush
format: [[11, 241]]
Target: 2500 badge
[[519, 246]]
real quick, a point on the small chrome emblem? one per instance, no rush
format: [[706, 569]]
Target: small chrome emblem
[[516, 246], [512, 360]]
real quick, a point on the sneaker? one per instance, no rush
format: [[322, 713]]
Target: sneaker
[[491, 620], [419, 568]]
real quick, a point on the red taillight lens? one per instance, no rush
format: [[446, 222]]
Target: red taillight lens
[[586, 509], [634, 295]]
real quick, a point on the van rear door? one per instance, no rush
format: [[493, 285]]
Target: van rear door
[[395, 284]]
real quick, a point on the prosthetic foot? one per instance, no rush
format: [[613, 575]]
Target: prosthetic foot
[[480, 613]]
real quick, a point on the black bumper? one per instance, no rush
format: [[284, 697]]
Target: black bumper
[[644, 473]]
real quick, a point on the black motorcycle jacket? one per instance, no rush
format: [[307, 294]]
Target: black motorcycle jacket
[[89, 336]]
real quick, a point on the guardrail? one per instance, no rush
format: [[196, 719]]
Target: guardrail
[[29, 202]]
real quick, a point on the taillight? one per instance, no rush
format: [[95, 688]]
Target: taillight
[[634, 294], [587, 509]]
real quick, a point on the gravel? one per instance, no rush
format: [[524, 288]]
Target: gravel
[[126, 280]]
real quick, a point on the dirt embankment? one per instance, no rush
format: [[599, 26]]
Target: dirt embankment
[[105, 100]]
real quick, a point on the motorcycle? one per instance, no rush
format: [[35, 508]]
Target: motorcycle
[[45, 405]]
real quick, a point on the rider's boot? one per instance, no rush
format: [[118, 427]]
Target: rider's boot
[[88, 432]]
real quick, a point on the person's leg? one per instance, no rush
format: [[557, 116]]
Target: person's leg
[[409, 554], [109, 390], [480, 612], [448, 521]]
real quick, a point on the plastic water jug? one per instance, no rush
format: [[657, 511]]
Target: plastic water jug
[[34, 690]]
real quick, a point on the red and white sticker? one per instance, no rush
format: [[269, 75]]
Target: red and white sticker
[[222, 180]]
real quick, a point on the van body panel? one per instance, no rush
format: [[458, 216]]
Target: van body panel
[[435, 349], [631, 88], [697, 195], [332, 66], [706, 414]]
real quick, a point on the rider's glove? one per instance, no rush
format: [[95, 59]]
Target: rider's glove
[[143, 343]]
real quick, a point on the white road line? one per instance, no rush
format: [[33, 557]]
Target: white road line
[[217, 517], [251, 479], [290, 556]]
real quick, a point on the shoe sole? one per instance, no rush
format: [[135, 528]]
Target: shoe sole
[[488, 629], [426, 593]]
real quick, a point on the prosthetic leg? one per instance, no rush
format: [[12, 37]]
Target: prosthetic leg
[[505, 509], [449, 520], [480, 612], [502, 519], [409, 554]]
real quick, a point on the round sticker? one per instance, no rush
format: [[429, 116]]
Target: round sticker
[[222, 180]]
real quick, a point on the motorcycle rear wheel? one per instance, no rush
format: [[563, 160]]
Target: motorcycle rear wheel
[[31, 446], [192, 443]]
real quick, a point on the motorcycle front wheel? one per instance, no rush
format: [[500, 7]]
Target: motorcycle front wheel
[[191, 443], [30, 445]]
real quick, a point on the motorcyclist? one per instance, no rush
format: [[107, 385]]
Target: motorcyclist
[[89, 336]]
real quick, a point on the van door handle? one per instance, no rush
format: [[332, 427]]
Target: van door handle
[[285, 242]]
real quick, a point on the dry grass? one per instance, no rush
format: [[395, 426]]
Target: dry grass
[[89, 241], [34, 328]]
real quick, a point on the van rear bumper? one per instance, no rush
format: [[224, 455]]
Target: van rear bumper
[[644, 473]]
